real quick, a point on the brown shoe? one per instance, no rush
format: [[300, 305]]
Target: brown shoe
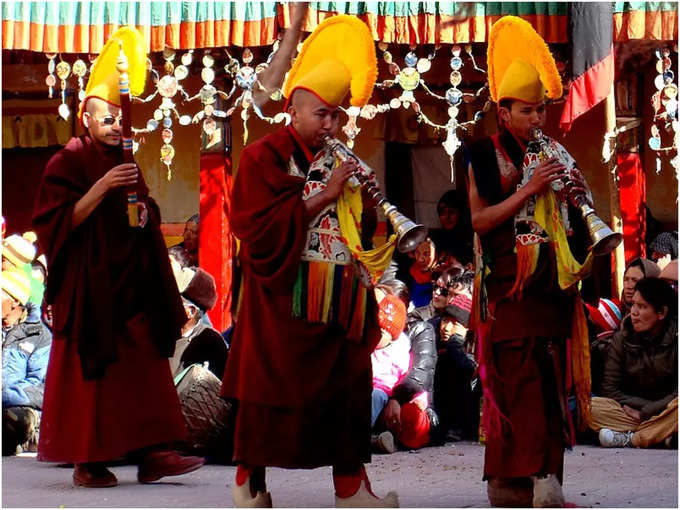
[[93, 476], [156, 465]]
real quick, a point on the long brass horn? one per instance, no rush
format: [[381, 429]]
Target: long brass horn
[[604, 238], [409, 233]]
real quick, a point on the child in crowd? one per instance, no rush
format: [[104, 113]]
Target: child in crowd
[[391, 360], [420, 273]]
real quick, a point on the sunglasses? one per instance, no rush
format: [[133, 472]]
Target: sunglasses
[[109, 120], [441, 291]]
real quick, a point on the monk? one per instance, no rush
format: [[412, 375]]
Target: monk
[[529, 317], [117, 311], [303, 383]]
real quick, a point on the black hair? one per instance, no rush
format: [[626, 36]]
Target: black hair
[[658, 293], [449, 199], [396, 288], [193, 219], [506, 103]]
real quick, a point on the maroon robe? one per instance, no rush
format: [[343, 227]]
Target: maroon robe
[[117, 313], [526, 364], [304, 389]]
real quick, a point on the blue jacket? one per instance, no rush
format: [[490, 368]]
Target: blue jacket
[[25, 353]]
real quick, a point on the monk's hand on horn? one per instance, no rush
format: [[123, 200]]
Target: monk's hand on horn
[[544, 174], [339, 177], [126, 174]]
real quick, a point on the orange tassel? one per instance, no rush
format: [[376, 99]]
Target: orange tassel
[[580, 360], [527, 260]]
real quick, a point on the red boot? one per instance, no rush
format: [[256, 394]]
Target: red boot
[[156, 465], [93, 476]]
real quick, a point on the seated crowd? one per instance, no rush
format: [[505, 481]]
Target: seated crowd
[[426, 389]]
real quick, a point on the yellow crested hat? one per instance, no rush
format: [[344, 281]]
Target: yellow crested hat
[[339, 56], [520, 63], [103, 82]]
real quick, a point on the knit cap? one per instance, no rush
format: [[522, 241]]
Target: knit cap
[[459, 308], [607, 315], [16, 283], [201, 290], [392, 315]]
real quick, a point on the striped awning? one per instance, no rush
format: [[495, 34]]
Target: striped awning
[[83, 27]]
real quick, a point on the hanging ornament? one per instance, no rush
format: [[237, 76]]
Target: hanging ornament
[[79, 70], [50, 79], [63, 72]]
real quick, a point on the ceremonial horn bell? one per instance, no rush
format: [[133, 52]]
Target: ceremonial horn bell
[[409, 233], [604, 238]]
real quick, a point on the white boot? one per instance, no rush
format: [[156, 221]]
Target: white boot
[[243, 499], [364, 499], [547, 492]]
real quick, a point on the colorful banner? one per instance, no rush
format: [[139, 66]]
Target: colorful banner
[[83, 27]]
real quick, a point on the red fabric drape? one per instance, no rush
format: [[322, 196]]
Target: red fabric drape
[[632, 194], [215, 237]]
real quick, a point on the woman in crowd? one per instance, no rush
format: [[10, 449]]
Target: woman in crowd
[[640, 387]]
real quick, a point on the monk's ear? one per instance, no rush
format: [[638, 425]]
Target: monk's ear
[[504, 113], [86, 119]]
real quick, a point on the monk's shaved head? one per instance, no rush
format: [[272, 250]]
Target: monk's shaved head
[[312, 118], [95, 120]]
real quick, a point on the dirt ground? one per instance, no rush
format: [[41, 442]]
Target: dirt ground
[[446, 476]]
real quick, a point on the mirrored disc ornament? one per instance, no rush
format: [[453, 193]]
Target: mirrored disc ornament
[[158, 114], [411, 59], [219, 114], [51, 65], [670, 91], [207, 60], [181, 72], [655, 131], [209, 109], [394, 68], [666, 63], [409, 78], [672, 107], [167, 86], [395, 103], [369, 112], [423, 65], [152, 124], [455, 78], [207, 75], [382, 46], [387, 57], [79, 68], [658, 53], [247, 56], [453, 112], [187, 58], [656, 101], [454, 96], [207, 92], [166, 136], [455, 50], [659, 67], [167, 153], [168, 67], [456, 63], [668, 76], [185, 120], [63, 70], [654, 143], [167, 122], [246, 77], [64, 111], [659, 82], [50, 80]]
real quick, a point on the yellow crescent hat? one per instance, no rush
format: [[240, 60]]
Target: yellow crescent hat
[[103, 82], [339, 56], [520, 63]]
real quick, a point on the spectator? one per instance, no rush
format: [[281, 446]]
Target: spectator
[[636, 270], [190, 242], [420, 376], [455, 234], [603, 322], [420, 273], [453, 396], [25, 352], [664, 245], [19, 252], [180, 255], [199, 342], [450, 283], [391, 360], [640, 403]]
